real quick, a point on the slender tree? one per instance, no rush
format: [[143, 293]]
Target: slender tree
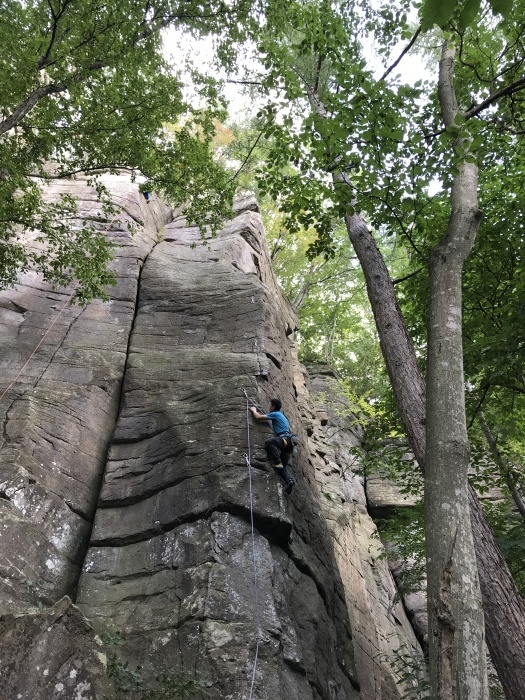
[[456, 630]]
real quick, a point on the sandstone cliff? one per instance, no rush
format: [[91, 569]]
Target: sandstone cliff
[[124, 483]]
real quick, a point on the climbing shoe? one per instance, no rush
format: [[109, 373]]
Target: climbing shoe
[[289, 486]]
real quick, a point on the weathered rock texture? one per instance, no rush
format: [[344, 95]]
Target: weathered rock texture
[[380, 627], [58, 417], [385, 496], [51, 654], [124, 455]]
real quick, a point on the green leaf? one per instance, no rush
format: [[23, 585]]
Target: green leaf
[[436, 12], [468, 14], [502, 7]]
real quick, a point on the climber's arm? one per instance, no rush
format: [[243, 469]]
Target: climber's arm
[[257, 415]]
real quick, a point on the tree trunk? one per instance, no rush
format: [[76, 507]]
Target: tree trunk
[[456, 640], [397, 348], [503, 606]]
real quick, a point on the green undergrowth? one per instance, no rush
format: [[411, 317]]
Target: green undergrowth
[[411, 673], [130, 683]]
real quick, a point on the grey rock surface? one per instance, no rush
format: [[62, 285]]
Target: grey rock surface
[[52, 654], [384, 496], [382, 633], [58, 417], [171, 561], [124, 456]]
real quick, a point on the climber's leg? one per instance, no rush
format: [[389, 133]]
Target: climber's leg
[[273, 450], [283, 469]]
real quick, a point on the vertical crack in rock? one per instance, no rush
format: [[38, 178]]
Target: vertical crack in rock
[[170, 561], [57, 427], [141, 415], [98, 483]]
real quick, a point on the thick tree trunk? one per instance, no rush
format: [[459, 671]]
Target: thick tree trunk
[[397, 348], [503, 606]]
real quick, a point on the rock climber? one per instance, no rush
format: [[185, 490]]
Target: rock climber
[[280, 447]]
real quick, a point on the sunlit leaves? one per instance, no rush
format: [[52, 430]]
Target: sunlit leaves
[[440, 12]]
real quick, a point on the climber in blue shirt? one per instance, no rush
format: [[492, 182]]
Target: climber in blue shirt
[[280, 447]]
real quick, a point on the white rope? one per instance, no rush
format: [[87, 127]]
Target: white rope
[[255, 591], [39, 344]]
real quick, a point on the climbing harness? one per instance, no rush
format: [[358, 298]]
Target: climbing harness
[[258, 637]]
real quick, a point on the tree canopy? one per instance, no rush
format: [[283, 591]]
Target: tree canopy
[[85, 88]]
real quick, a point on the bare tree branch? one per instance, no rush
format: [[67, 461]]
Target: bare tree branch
[[398, 280], [402, 54], [254, 146], [511, 89]]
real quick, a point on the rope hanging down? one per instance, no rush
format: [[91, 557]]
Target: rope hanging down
[[255, 590], [39, 344]]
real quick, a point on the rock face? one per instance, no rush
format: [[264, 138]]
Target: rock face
[[383, 638], [51, 654], [59, 415], [125, 480]]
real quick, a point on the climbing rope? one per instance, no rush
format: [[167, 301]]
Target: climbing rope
[[55, 320], [39, 344], [248, 458]]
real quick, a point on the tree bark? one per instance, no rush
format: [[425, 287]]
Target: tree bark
[[503, 606], [397, 348], [456, 640], [504, 469]]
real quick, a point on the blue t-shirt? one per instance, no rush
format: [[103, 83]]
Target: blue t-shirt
[[280, 425]]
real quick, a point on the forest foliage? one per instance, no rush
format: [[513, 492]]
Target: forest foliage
[[90, 90], [85, 88], [339, 132]]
